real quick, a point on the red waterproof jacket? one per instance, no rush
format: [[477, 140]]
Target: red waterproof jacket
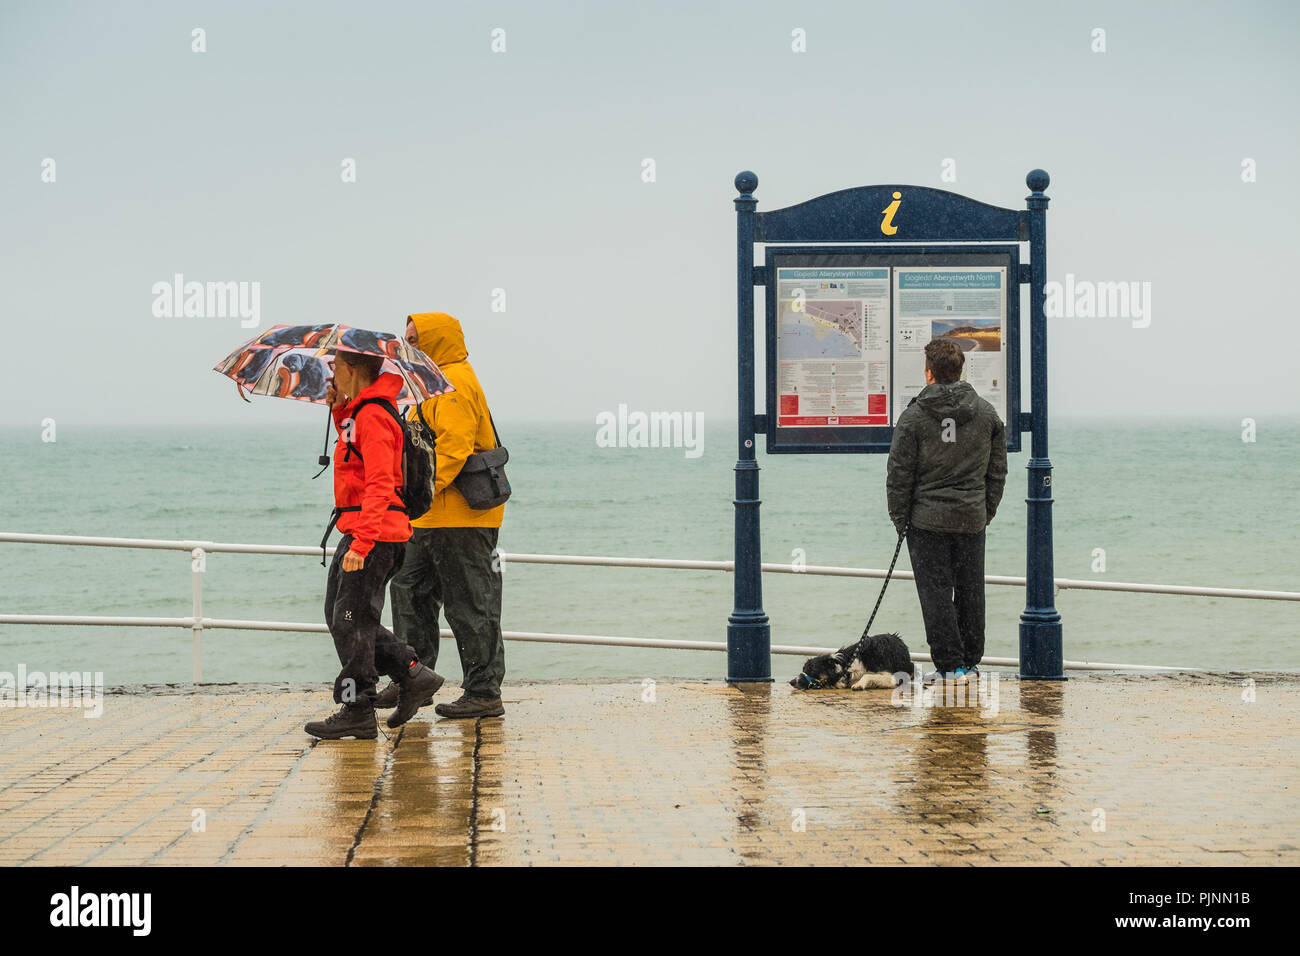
[[372, 479]]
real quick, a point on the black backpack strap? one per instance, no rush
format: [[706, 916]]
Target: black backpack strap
[[495, 437], [388, 406], [419, 413], [429, 428], [334, 520]]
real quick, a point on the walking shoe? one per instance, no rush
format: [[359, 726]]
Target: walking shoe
[[469, 706], [414, 691], [387, 698], [350, 720]]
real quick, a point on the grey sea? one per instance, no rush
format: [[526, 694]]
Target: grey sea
[[1187, 502]]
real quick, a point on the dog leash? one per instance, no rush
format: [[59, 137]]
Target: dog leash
[[899, 547], [840, 655]]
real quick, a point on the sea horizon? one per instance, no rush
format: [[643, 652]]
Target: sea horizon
[[1184, 504]]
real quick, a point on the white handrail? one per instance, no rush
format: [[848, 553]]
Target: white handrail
[[198, 623], [539, 637], [1079, 584]]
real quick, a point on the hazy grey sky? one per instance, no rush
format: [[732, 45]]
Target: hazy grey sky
[[522, 170]]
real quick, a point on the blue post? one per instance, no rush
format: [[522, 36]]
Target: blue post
[[1041, 655], [749, 637]]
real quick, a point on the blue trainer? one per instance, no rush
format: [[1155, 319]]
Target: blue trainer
[[947, 677]]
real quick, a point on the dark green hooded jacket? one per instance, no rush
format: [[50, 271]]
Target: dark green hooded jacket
[[953, 484]]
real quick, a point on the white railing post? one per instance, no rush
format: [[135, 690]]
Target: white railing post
[[198, 565]]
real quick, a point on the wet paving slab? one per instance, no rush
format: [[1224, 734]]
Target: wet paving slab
[[1103, 769]]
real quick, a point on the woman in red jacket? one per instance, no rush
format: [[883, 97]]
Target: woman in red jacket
[[367, 476]]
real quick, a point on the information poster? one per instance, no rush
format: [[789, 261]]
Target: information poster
[[965, 304], [833, 348]]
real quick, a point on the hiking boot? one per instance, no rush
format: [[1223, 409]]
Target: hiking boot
[[469, 706], [350, 720], [414, 691], [387, 698]]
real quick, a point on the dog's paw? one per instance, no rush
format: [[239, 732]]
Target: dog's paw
[[873, 681]]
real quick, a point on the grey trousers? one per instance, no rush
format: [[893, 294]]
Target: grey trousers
[[451, 570]]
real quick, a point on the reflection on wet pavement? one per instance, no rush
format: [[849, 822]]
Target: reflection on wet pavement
[[1102, 769]]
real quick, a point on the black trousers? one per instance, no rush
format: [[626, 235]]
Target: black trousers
[[453, 570], [949, 569], [354, 600]]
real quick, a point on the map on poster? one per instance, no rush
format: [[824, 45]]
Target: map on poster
[[832, 347]]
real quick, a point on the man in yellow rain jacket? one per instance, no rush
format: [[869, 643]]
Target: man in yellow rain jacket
[[450, 562]]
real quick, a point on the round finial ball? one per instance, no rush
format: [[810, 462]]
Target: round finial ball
[[746, 182], [1037, 180]]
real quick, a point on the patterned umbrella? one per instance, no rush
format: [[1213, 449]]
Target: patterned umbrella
[[296, 361]]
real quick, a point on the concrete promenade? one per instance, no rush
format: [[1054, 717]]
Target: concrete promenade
[[1104, 769]]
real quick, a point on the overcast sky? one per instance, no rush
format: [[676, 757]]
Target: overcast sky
[[522, 170]]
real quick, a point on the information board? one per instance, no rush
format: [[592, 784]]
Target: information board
[[847, 330]]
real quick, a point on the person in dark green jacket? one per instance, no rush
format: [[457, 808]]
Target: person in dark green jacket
[[947, 468]]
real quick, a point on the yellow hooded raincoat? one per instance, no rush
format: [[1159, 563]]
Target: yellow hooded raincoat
[[460, 423]]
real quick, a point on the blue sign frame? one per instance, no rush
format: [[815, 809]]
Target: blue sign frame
[[876, 439], [908, 217]]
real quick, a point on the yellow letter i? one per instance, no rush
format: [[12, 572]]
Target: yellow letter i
[[887, 224]]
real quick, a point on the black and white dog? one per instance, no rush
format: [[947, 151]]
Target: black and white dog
[[871, 662]]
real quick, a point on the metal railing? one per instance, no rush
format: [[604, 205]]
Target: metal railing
[[197, 623]]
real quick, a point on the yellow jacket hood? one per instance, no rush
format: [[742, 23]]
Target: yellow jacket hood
[[461, 423], [441, 337]]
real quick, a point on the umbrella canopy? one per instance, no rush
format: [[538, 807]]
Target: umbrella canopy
[[296, 361]]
